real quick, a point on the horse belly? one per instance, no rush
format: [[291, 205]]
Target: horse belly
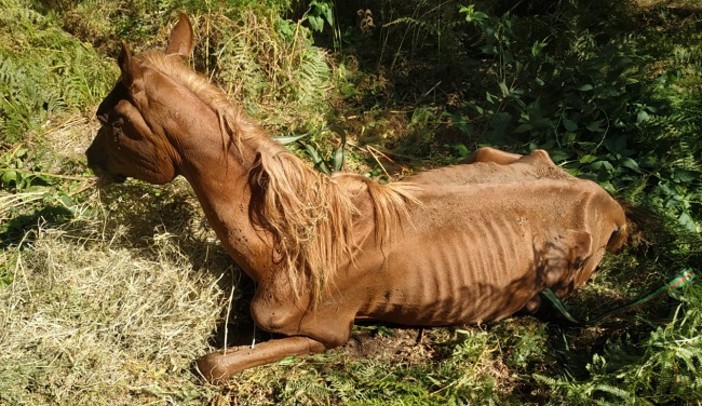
[[460, 272]]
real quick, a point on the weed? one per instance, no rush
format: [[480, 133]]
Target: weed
[[663, 368]]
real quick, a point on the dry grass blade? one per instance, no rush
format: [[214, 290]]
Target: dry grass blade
[[374, 153], [10, 201]]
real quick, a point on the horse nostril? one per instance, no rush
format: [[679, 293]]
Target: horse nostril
[[97, 169], [94, 162], [90, 157]]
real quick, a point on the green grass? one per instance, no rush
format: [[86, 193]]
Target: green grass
[[107, 296]]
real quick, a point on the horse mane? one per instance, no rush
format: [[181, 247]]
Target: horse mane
[[233, 123], [309, 215]]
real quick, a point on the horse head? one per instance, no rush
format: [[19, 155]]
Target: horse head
[[133, 140]]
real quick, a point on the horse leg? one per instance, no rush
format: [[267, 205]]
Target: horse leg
[[218, 366], [492, 155]]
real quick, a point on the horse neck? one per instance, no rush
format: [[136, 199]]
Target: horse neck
[[217, 168]]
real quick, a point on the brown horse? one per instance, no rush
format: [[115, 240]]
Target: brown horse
[[463, 244]]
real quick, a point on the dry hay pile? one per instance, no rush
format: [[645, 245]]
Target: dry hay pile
[[101, 314]]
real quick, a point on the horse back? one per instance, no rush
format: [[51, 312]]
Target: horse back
[[534, 166]]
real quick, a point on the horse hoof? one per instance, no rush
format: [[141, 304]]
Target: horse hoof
[[211, 368]]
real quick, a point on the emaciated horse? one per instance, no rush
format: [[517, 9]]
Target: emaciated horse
[[462, 244]]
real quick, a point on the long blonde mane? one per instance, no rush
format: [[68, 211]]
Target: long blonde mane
[[310, 216]]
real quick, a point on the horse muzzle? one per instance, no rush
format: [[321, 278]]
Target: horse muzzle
[[96, 164]]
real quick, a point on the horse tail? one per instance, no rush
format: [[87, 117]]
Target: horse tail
[[622, 227]]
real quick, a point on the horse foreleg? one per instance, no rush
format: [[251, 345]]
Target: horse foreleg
[[488, 154], [218, 366]]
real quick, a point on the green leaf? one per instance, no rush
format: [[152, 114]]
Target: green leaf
[[570, 125], [338, 159], [596, 126], [522, 128], [491, 98], [503, 88], [586, 88], [608, 186], [316, 23], [621, 393], [685, 176], [289, 139], [558, 155], [5, 279], [65, 199], [464, 126], [642, 116], [537, 47], [622, 60], [289, 360], [489, 49], [8, 178], [328, 15], [316, 157], [631, 164], [477, 108], [686, 221], [472, 15], [461, 150], [588, 159]]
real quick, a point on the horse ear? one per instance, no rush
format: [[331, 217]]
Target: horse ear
[[181, 39], [132, 72]]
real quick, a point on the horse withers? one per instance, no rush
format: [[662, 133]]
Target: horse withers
[[462, 244]]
